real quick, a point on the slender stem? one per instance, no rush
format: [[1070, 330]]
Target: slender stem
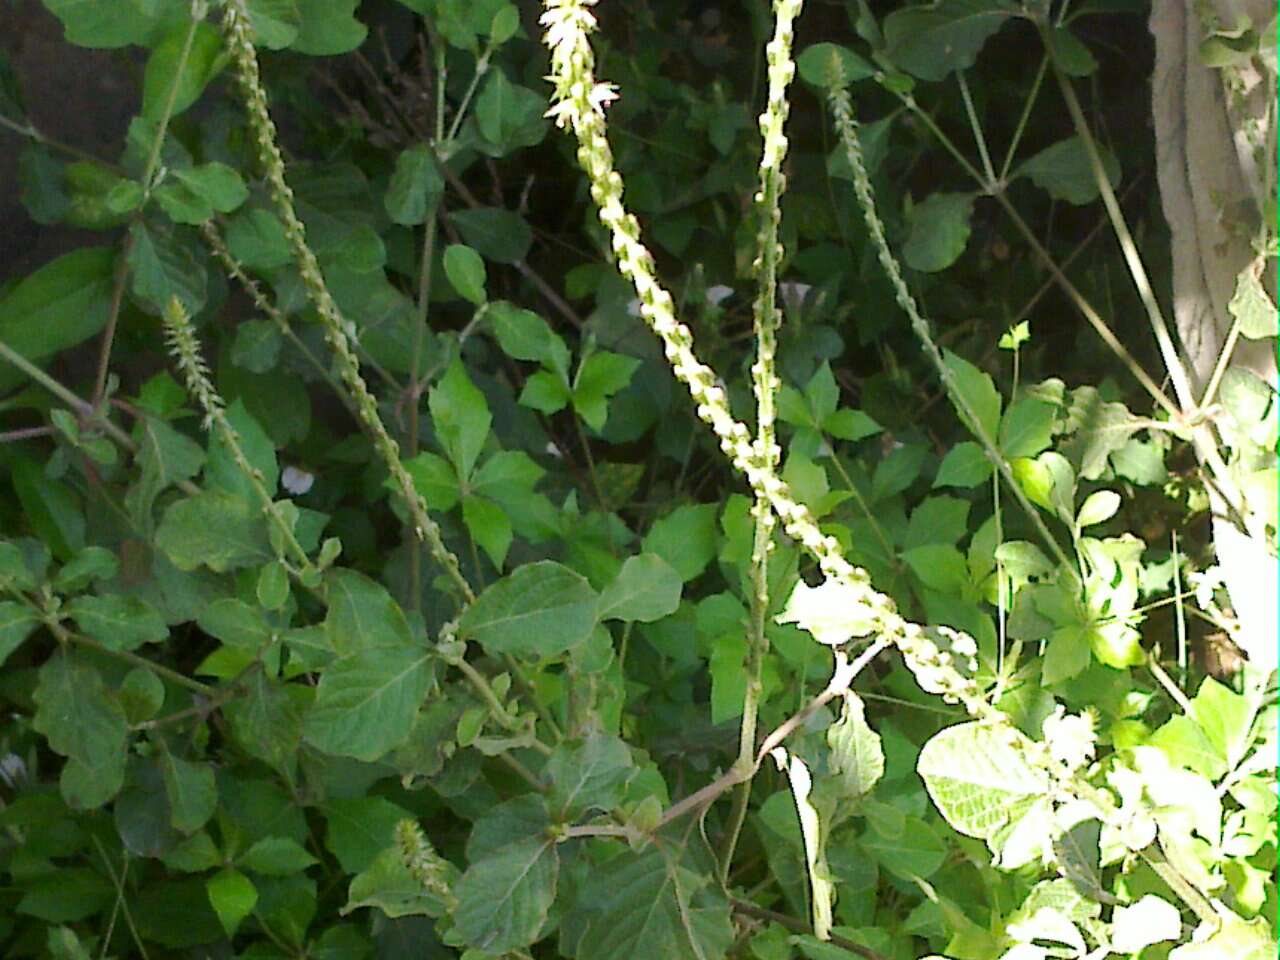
[[1179, 612], [113, 318], [482, 67], [1170, 687], [1016, 141], [800, 926], [878, 531], [1073, 294], [415, 388], [31, 133], [121, 901], [978, 136], [66, 396], [26, 433], [1223, 363], [496, 709], [1180, 885], [1172, 361], [126, 656]]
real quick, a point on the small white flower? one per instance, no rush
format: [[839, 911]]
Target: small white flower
[[719, 293], [296, 480], [633, 307], [13, 771], [554, 451], [793, 294]]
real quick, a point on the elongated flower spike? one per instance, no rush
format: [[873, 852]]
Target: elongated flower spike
[[577, 106]]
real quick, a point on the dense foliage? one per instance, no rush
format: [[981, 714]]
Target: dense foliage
[[392, 567]]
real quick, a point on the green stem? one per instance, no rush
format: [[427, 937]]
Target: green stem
[[1016, 141], [978, 136], [126, 656]]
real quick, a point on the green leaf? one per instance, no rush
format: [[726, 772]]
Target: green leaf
[[362, 614], [51, 507], [162, 265], [978, 391], [685, 538], [1252, 308], [461, 417], [388, 885], [272, 589], [727, 666], [276, 856], [509, 115], [329, 28], [507, 476], [275, 22], [416, 187], [930, 42], [65, 895], [82, 722], [90, 565], [191, 791], [196, 193], [359, 828], [601, 376], [1049, 482], [64, 303], [1099, 507], [233, 897], [213, 529], [829, 65], [222, 471], [587, 776], [939, 519], [646, 906], [17, 622], [857, 756], [465, 269], [366, 702], [545, 392], [647, 588], [540, 609], [1069, 53], [499, 235], [978, 775], [938, 231], [117, 621], [1226, 718], [1065, 172], [940, 566], [1026, 428], [205, 59], [913, 851], [256, 238], [506, 893], [90, 23], [965, 465], [490, 526], [524, 335], [851, 425], [436, 479]]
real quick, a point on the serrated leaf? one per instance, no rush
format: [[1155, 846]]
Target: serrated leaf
[[118, 622], [587, 776], [646, 589], [540, 609], [17, 622], [857, 756], [505, 896], [490, 526], [82, 722], [648, 907], [362, 614], [366, 702], [978, 392], [213, 529]]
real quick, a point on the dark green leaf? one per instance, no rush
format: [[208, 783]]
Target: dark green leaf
[[118, 622], [62, 304], [415, 188], [1065, 171], [162, 265], [977, 391], [205, 58], [510, 116], [233, 897], [685, 538], [461, 417], [932, 41], [17, 622], [192, 796], [938, 232], [588, 776], [499, 235], [646, 589], [541, 609], [328, 28], [829, 65], [465, 270], [360, 828], [366, 702], [214, 529], [51, 507]]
